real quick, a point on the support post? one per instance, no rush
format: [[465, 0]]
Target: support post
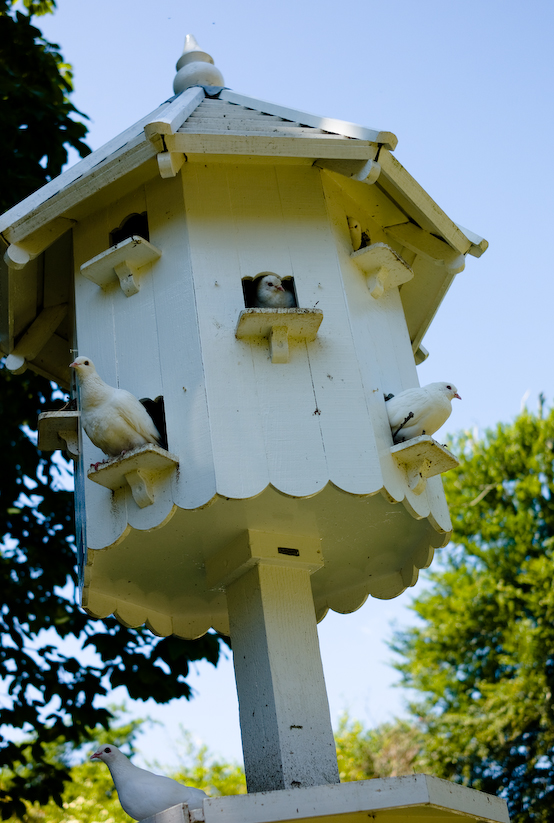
[[287, 736]]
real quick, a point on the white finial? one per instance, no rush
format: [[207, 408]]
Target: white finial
[[195, 68]]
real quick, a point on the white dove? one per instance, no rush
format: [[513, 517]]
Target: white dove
[[141, 793], [420, 411], [270, 294], [114, 419]]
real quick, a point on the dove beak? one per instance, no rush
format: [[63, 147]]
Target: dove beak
[[73, 365], [280, 288], [96, 754], [458, 396]]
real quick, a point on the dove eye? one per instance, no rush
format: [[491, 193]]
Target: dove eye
[[107, 750], [88, 364]]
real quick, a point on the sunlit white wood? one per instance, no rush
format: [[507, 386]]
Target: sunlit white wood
[[303, 145], [140, 468], [214, 234], [478, 244], [127, 261], [18, 255], [364, 171], [423, 457], [268, 236], [327, 123], [383, 267], [340, 407], [417, 797], [175, 113], [279, 326], [380, 341], [94, 313], [176, 814], [181, 368], [395, 177], [59, 430], [169, 163]]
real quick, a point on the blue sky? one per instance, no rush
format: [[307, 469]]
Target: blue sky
[[466, 85]]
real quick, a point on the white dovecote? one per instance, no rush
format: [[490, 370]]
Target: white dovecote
[[270, 415], [278, 493]]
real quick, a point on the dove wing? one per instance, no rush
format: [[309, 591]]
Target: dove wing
[[411, 400], [145, 794], [135, 415]]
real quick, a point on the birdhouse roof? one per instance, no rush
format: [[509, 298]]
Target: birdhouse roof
[[218, 122], [253, 125]]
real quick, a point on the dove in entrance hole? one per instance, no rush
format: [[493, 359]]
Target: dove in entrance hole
[[142, 793], [420, 411], [271, 294], [114, 419]]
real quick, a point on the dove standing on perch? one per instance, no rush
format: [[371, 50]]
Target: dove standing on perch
[[141, 793], [271, 294], [114, 419], [420, 411]]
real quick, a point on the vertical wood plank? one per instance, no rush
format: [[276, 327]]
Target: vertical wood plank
[[344, 420], [96, 339], [287, 410], [238, 448], [181, 364]]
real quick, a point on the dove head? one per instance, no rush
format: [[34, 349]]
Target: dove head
[[448, 388], [107, 753], [270, 283], [83, 366]]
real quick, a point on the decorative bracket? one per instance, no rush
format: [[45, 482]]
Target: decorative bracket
[[125, 261], [35, 338], [279, 326], [169, 163], [383, 266], [423, 457], [365, 171], [140, 468], [59, 430]]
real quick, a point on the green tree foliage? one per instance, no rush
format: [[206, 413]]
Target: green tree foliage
[[38, 120], [483, 654], [390, 750], [49, 689], [204, 771]]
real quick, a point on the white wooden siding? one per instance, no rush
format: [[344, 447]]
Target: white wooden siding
[[306, 443]]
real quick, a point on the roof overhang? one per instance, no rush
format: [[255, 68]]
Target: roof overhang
[[176, 132]]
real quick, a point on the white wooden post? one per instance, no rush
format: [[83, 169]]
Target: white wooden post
[[286, 728]]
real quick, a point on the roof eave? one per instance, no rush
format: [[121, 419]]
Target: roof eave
[[34, 223]]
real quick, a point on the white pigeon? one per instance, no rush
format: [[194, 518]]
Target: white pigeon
[[142, 793], [114, 419], [420, 411], [270, 294]]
